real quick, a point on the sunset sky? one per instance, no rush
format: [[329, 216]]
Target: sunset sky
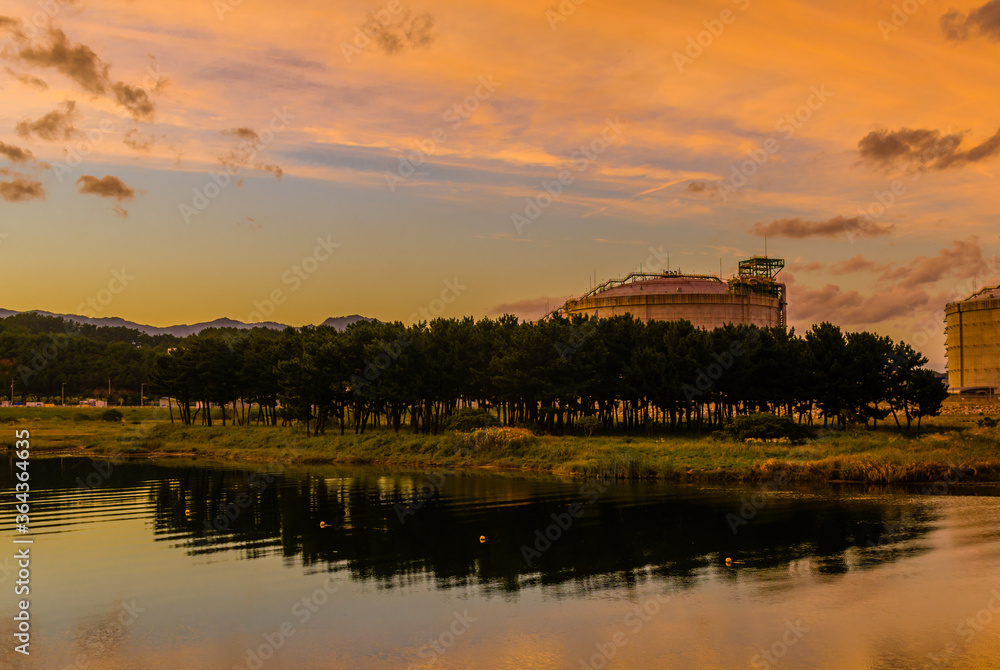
[[383, 158]]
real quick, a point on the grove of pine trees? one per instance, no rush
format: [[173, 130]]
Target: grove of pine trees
[[551, 376]]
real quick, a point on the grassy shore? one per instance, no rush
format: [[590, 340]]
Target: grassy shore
[[947, 448]]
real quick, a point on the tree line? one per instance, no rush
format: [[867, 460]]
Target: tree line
[[553, 376], [39, 354]]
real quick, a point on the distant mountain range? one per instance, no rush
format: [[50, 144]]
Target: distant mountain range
[[338, 322]]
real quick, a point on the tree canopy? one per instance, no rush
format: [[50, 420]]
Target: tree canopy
[[550, 375]]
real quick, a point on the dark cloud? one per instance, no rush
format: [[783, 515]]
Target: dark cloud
[[710, 188], [248, 134], [135, 140], [886, 147], [76, 61], [796, 228], [107, 187], [21, 189], [29, 80], [244, 154], [82, 65], [956, 261], [136, 100], [984, 21], [276, 170], [855, 264], [14, 154], [851, 308], [982, 150], [923, 148], [407, 32], [56, 125], [11, 26], [902, 290]]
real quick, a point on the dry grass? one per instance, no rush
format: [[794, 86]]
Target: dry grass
[[945, 448]]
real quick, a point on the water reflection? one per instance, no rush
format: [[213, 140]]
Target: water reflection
[[391, 527], [165, 565]]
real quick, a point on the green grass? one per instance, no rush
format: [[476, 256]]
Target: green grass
[[58, 430], [886, 455]]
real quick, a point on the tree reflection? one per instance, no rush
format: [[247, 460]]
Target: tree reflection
[[350, 518]]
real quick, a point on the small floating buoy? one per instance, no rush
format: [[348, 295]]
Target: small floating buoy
[[729, 562], [482, 539], [187, 512], [322, 524]]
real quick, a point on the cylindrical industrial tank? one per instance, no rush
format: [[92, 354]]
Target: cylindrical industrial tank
[[704, 300], [972, 335]]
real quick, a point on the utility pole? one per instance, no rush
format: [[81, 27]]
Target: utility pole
[[109, 391], [64, 394], [12, 390], [141, 391]]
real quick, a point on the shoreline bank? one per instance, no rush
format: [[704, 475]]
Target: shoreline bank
[[953, 450]]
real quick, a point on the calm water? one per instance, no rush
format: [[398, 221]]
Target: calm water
[[158, 565]]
